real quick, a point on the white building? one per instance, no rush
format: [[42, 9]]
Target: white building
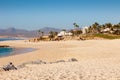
[[106, 30], [64, 33], [84, 30]]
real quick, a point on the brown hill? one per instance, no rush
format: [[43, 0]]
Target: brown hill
[[25, 33]]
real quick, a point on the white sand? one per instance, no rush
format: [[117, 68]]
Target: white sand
[[98, 60], [85, 70], [52, 51]]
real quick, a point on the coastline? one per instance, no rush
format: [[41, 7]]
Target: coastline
[[95, 59], [58, 50], [18, 51], [51, 51]]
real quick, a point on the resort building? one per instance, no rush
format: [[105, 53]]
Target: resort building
[[84, 30], [64, 33]]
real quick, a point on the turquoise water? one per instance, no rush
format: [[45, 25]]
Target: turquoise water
[[7, 51]]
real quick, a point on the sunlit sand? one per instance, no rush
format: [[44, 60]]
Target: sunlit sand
[[97, 59]]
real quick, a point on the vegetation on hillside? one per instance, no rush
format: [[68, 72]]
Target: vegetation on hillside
[[107, 36], [104, 31]]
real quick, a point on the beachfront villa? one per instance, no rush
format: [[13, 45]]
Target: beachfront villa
[[64, 33], [84, 30], [106, 30]]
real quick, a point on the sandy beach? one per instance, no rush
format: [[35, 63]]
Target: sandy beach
[[97, 59], [58, 50]]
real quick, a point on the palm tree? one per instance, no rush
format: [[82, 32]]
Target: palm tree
[[51, 35], [97, 24], [41, 33], [118, 26], [55, 33], [76, 25], [89, 29], [108, 25], [95, 28]]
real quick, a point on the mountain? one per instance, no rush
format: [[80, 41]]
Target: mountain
[[46, 30], [13, 32]]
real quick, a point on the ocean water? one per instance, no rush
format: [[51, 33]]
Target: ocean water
[[6, 39], [7, 51]]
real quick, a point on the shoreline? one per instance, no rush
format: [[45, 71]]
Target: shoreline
[[18, 51], [51, 51]]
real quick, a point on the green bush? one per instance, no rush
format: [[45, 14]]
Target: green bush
[[107, 36]]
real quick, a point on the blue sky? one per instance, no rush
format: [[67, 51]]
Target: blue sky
[[35, 14]]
